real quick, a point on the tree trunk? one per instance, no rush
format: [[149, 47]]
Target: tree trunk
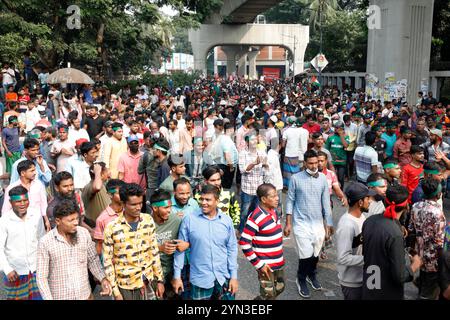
[[100, 50]]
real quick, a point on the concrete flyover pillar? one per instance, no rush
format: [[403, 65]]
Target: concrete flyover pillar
[[358, 83], [252, 55], [242, 65], [231, 52], [400, 41]]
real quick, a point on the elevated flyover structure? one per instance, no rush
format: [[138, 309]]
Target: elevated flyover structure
[[232, 28]]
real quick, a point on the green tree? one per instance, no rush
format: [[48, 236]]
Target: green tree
[[115, 35]]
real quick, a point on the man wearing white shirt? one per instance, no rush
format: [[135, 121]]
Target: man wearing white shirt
[[36, 190], [78, 165], [295, 142], [75, 130], [20, 231], [32, 117]]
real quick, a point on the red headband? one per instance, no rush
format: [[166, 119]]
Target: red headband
[[390, 210]]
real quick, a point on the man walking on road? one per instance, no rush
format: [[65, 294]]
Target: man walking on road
[[262, 243], [350, 260], [307, 210]]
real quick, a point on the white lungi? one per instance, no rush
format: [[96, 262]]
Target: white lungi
[[309, 239]]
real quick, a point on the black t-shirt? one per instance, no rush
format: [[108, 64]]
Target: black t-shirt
[[380, 148], [385, 271], [95, 126]]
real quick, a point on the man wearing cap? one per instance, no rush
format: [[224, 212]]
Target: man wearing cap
[[350, 260], [114, 148], [10, 142], [402, 147], [62, 149], [129, 162], [435, 146], [44, 121], [20, 230]]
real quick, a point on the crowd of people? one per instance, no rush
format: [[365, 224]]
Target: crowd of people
[[149, 193]]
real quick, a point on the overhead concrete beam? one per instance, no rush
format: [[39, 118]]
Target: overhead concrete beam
[[209, 36]]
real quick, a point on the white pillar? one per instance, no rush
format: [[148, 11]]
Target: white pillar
[[242, 65], [433, 86], [252, 55], [358, 83], [401, 43], [230, 52], [216, 68]]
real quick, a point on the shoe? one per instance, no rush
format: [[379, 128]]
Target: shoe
[[315, 284], [303, 289]]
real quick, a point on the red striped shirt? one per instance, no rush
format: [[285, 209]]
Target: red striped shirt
[[262, 239]]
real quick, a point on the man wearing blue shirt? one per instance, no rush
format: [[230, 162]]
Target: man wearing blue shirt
[[32, 152], [213, 251], [308, 209]]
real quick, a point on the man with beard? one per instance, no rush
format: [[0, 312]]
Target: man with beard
[[350, 260], [377, 183], [20, 232], [420, 135], [435, 146], [380, 144], [62, 149], [182, 201], [64, 257], [64, 189], [167, 225], [129, 162]]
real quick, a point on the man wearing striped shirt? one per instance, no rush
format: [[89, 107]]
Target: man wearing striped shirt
[[262, 243]]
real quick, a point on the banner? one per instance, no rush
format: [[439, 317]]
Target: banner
[[271, 74]]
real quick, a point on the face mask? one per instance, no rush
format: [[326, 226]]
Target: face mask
[[310, 172]]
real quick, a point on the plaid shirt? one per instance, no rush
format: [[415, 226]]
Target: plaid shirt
[[129, 255], [252, 179], [62, 268]]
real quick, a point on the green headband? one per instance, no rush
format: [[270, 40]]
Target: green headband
[[13, 121], [431, 171], [19, 197], [390, 166], [439, 189], [116, 128], [378, 183], [163, 203], [35, 136], [112, 191], [157, 146]]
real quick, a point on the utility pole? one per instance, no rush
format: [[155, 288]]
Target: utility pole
[[321, 39]]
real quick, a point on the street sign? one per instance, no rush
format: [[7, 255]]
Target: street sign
[[319, 62]]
